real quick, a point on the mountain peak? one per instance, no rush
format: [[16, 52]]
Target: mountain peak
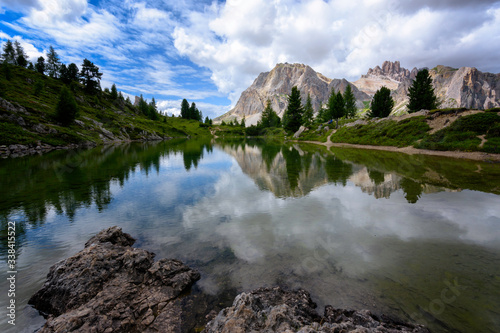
[[390, 70]]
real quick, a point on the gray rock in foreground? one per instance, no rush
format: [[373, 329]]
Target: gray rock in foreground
[[277, 310], [111, 287]]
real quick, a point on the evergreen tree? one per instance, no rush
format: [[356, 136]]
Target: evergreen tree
[[6, 70], [31, 67], [143, 106], [73, 72], [90, 77], [63, 74], [269, 117], [336, 107], [382, 103], [66, 108], [40, 65], [53, 62], [9, 53], [207, 120], [421, 93], [292, 119], [114, 92], [185, 109], [307, 117], [242, 124], [153, 110], [323, 115], [350, 102], [21, 57]]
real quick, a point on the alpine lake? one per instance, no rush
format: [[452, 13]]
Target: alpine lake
[[411, 236]]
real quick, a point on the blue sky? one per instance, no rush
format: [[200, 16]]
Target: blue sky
[[210, 51]]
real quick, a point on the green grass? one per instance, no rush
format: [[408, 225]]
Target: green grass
[[115, 116], [463, 134], [384, 133]]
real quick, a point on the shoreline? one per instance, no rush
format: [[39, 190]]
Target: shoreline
[[409, 150]]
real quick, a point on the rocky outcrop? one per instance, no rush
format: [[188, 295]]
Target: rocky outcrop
[[110, 286], [278, 310], [277, 84]]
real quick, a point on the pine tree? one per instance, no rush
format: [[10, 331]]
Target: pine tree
[[350, 102], [114, 92], [153, 111], [90, 77], [53, 62], [242, 124], [207, 120], [307, 117], [40, 65], [382, 103], [9, 53], [73, 72], [21, 57], [292, 119], [336, 107], [185, 109], [66, 109], [269, 117], [63, 74], [421, 93]]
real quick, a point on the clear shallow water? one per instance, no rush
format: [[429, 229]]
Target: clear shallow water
[[411, 236]]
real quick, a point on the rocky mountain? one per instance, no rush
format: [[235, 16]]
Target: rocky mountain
[[464, 87], [277, 84]]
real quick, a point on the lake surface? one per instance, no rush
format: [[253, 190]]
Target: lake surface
[[416, 237]]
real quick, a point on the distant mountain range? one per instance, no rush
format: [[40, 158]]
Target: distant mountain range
[[464, 87]]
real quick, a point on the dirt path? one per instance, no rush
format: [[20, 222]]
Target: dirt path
[[477, 156]]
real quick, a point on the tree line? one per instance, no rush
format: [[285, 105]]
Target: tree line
[[89, 76], [343, 105]]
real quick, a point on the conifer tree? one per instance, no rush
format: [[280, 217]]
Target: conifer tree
[[53, 62], [307, 117], [292, 119], [40, 65], [382, 103], [350, 102], [66, 108], [114, 92], [73, 72], [21, 57], [242, 124], [9, 53], [269, 117], [90, 77], [185, 109], [336, 107], [421, 93]]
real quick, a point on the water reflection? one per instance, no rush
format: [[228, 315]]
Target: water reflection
[[359, 229]]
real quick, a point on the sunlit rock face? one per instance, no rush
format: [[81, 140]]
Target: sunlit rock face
[[277, 84]]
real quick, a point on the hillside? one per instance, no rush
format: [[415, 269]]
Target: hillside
[[28, 124]]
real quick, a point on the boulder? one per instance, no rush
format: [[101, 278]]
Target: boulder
[[279, 310], [300, 131], [110, 286]]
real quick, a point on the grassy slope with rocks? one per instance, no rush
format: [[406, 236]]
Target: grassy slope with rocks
[[464, 130], [27, 116]]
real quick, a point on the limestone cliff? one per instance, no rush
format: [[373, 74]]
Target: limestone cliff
[[277, 84]]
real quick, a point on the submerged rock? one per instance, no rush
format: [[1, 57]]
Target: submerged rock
[[111, 287], [278, 310]]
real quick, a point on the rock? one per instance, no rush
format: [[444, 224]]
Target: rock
[[40, 128], [299, 132], [12, 107], [110, 286], [278, 310]]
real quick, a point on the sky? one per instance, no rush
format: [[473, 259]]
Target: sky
[[210, 51]]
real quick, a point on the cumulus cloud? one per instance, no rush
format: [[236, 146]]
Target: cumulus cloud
[[239, 39]]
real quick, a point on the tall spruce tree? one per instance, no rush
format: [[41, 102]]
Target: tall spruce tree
[[292, 119], [307, 117], [40, 65], [185, 109], [336, 107], [269, 117], [53, 63], [21, 57], [349, 102], [114, 92], [421, 93], [9, 53], [90, 77], [66, 108], [382, 103]]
